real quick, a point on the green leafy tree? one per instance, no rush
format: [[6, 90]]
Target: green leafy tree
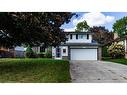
[[120, 26], [32, 28], [82, 27], [29, 52]]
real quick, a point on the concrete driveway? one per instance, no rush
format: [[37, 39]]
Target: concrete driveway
[[97, 72]]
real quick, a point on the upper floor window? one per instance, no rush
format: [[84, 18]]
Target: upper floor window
[[76, 36], [87, 36], [80, 36], [70, 36]]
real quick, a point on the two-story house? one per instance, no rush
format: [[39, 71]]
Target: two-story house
[[79, 46]]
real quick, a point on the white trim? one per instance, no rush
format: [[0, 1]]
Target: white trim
[[125, 43], [58, 57]]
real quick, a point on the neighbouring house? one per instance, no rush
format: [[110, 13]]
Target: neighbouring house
[[12, 52], [19, 51], [6, 52], [39, 49], [79, 46]]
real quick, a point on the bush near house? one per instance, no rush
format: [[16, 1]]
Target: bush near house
[[40, 55], [48, 54], [116, 50], [30, 53], [30, 70], [105, 51]]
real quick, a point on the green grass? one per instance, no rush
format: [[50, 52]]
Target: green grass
[[121, 60], [34, 71]]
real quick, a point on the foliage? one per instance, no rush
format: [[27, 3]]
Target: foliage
[[120, 26], [34, 70], [82, 27], [32, 28], [29, 52], [40, 54], [101, 35], [105, 51], [48, 54], [116, 50]]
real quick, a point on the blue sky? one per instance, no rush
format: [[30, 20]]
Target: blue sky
[[95, 19]]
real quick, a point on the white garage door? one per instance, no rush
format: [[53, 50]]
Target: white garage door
[[83, 54]]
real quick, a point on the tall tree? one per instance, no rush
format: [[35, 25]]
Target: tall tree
[[32, 28], [120, 26], [101, 35], [82, 27]]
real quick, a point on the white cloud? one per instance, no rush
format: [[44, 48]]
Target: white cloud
[[94, 19], [69, 29]]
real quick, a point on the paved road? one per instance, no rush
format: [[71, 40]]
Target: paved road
[[97, 72]]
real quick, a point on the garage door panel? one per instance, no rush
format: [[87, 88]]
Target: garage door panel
[[83, 54]]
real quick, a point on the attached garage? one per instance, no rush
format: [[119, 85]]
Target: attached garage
[[83, 54]]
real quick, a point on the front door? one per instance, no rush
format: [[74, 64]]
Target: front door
[[58, 53]]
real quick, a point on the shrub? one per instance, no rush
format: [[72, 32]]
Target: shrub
[[41, 54], [29, 52], [105, 51], [48, 54], [116, 50]]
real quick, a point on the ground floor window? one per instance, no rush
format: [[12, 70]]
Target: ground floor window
[[64, 50], [58, 52]]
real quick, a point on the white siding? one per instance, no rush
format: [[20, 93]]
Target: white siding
[[84, 40], [36, 49]]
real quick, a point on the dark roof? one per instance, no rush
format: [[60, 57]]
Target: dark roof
[[73, 32], [80, 44]]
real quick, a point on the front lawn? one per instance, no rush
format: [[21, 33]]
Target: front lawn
[[121, 60], [34, 70]]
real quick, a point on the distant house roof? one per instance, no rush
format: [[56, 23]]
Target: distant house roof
[[19, 48], [73, 32]]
